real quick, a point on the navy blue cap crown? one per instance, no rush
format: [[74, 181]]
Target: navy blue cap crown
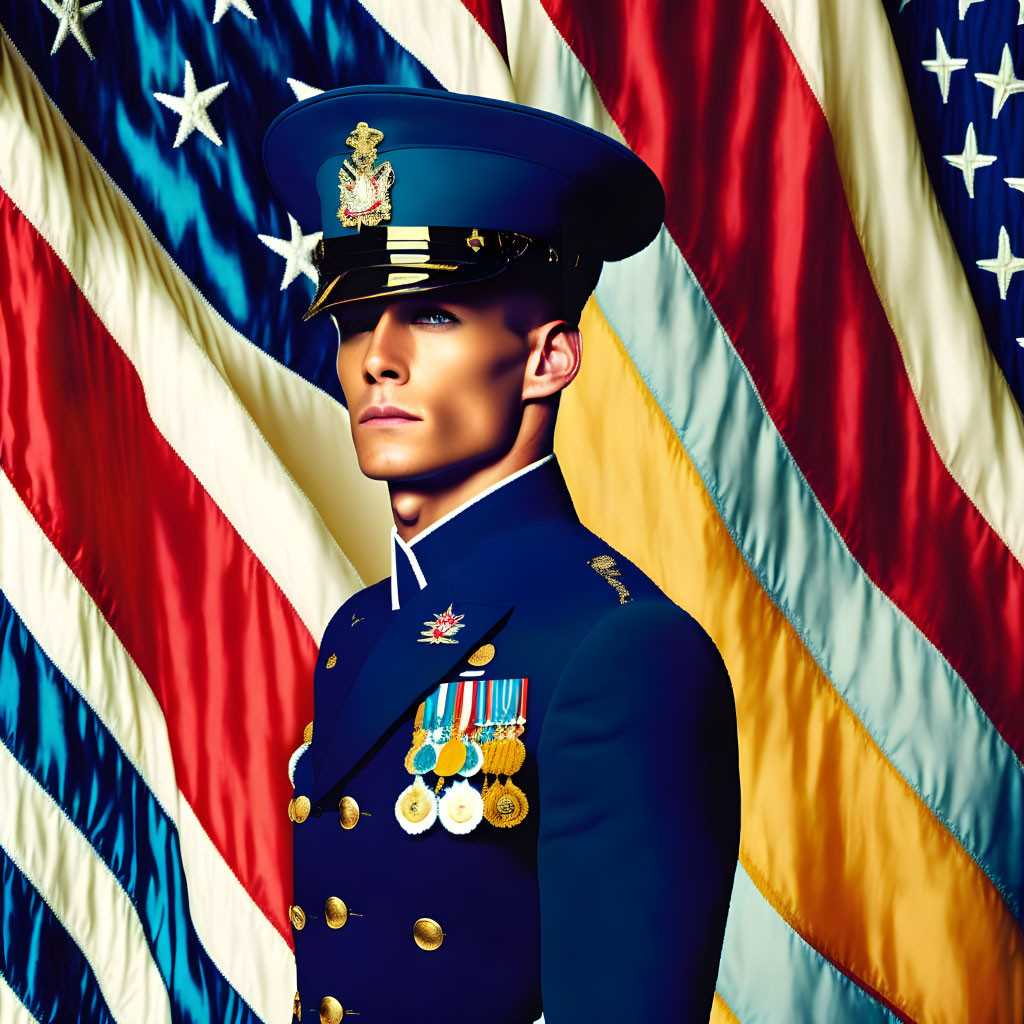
[[420, 188]]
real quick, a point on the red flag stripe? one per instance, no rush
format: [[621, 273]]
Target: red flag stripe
[[192, 605], [756, 205], [492, 21]]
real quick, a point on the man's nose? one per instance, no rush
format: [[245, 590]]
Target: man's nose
[[387, 356]]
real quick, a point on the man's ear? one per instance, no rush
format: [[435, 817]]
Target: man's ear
[[554, 361]]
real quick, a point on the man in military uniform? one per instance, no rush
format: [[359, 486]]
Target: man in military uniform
[[519, 792]]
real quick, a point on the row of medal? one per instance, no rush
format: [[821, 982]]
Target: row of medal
[[466, 728]]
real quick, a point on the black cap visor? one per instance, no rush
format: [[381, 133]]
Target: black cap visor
[[386, 261]]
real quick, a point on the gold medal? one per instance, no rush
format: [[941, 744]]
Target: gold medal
[[490, 750], [416, 808], [508, 756], [498, 758], [452, 755], [451, 758], [515, 753], [505, 805]]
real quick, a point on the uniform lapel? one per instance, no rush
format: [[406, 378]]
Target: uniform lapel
[[399, 671], [351, 642]]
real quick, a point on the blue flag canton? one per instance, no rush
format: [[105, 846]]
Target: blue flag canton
[[963, 61], [174, 99]]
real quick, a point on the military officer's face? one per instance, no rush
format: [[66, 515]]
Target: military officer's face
[[436, 383]]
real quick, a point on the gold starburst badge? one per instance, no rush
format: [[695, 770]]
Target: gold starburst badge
[[441, 629]]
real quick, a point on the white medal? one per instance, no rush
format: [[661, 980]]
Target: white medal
[[461, 808], [416, 808]]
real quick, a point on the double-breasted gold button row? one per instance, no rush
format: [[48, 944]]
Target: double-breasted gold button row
[[298, 809], [348, 810], [332, 1012], [336, 913], [426, 932]]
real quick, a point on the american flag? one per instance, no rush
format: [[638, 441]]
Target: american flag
[[800, 413], [961, 62]]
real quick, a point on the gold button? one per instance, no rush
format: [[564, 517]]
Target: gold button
[[335, 912], [297, 1007], [298, 809], [298, 917], [349, 812], [482, 656], [332, 661], [331, 1010], [427, 933], [307, 733]]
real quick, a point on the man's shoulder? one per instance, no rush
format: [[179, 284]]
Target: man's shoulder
[[567, 566], [620, 614], [572, 588], [357, 606]]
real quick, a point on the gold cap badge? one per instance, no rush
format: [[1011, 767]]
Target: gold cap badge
[[365, 189]]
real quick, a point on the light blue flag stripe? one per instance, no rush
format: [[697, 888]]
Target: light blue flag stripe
[[918, 710], [770, 975]]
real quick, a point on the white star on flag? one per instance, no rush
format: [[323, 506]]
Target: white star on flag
[[223, 6], [943, 66], [1005, 264], [903, 3], [297, 252], [970, 159], [303, 91], [1005, 84], [191, 108], [964, 4], [1017, 183], [1020, 17], [70, 15]]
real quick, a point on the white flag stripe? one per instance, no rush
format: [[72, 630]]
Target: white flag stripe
[[176, 343], [848, 56], [12, 1009], [83, 893], [443, 34], [65, 621]]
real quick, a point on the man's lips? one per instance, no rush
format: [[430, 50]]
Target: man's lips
[[386, 415]]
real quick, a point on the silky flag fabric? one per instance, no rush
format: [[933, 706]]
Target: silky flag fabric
[[799, 413]]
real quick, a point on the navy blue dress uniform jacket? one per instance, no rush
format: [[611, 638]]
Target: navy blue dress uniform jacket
[[608, 901]]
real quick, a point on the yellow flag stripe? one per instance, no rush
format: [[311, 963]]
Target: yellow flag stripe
[[720, 1012], [832, 834]]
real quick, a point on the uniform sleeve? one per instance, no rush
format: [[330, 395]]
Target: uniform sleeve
[[639, 822]]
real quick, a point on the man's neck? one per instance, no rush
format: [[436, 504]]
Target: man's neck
[[419, 505]]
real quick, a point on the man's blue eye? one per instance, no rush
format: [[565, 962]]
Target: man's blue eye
[[434, 316]]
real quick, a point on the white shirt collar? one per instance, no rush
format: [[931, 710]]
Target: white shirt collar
[[397, 544]]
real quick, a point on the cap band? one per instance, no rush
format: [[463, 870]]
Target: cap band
[[384, 261]]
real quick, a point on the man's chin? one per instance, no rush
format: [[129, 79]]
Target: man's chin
[[428, 474], [398, 470]]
